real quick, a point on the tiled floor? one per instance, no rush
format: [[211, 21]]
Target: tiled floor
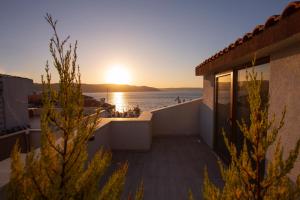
[[172, 167]]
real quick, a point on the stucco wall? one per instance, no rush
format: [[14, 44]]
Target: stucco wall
[[128, 135], [206, 110], [100, 140], [285, 91], [123, 134], [180, 119]]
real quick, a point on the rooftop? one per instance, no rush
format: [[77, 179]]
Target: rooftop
[[174, 165]]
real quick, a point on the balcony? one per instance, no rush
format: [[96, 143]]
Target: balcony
[[163, 147]]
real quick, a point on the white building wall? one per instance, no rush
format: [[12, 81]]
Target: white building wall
[[130, 135], [179, 119], [285, 91], [207, 110]]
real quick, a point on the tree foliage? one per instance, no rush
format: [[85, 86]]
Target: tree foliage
[[245, 178], [61, 169]]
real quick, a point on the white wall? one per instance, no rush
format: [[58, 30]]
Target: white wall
[[123, 134], [136, 133], [179, 119], [207, 110], [285, 91], [129, 135], [100, 140]]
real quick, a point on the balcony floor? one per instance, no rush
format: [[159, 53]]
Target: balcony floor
[[172, 167]]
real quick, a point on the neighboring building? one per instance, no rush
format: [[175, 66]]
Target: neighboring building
[[276, 46], [14, 93]]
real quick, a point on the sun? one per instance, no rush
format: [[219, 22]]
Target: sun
[[117, 74]]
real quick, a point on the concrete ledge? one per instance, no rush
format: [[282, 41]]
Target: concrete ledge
[[100, 140], [178, 119], [130, 135], [124, 133]]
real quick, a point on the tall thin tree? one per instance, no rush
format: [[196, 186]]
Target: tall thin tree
[[244, 178], [61, 170]]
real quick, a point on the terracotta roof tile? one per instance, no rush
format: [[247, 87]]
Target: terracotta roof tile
[[272, 21], [231, 46], [247, 37], [238, 41], [290, 9], [258, 29]]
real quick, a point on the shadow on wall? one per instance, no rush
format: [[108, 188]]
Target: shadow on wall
[[28, 139], [8, 141]]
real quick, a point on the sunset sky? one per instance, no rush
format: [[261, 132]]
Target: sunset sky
[[154, 42]]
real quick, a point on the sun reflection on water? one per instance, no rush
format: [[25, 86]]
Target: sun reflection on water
[[118, 100]]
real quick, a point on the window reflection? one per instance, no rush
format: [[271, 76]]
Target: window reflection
[[242, 104], [223, 113]]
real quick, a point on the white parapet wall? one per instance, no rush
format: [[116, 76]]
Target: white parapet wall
[[127, 133], [112, 133], [100, 139], [178, 119], [131, 133], [123, 134]]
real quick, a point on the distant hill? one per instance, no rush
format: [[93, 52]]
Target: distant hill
[[104, 88], [182, 88]]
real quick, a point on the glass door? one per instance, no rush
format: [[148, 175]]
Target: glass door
[[223, 115], [231, 105], [242, 104]]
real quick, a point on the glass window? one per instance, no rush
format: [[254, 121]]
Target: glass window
[[242, 104], [223, 114]]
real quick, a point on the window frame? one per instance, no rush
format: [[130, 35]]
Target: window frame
[[234, 92]]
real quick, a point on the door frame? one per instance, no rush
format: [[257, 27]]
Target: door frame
[[233, 97], [231, 114]]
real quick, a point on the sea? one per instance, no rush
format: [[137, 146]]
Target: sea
[[147, 101]]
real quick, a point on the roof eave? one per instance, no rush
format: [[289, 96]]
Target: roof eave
[[284, 29]]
